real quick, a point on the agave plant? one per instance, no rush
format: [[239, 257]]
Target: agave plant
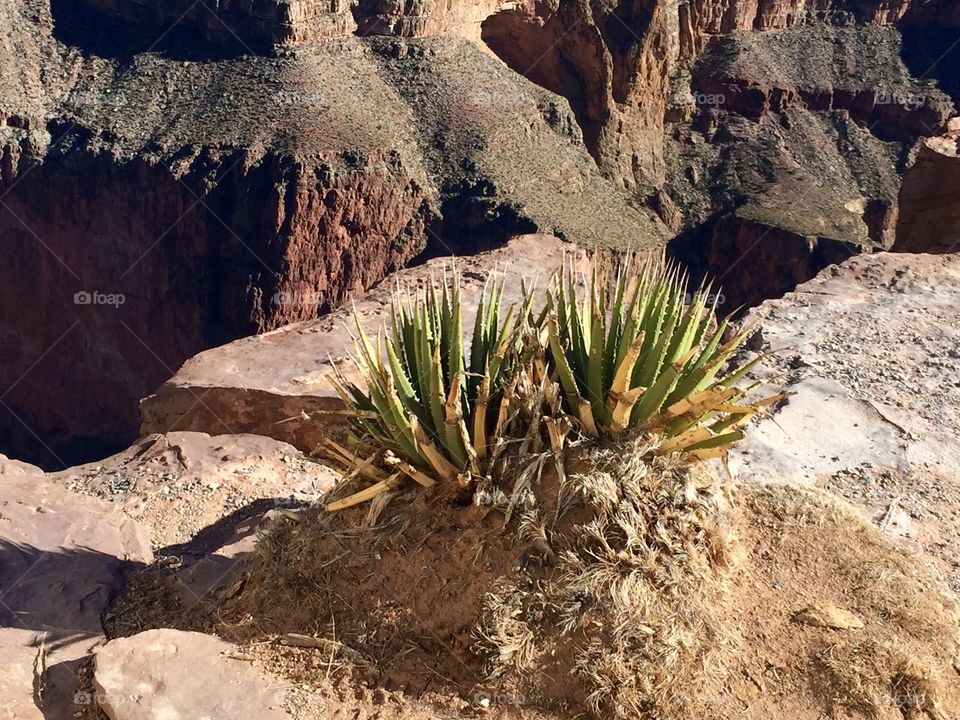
[[634, 352], [430, 408]]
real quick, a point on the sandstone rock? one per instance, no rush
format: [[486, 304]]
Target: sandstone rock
[[258, 24], [423, 17], [888, 389], [265, 25], [182, 483], [175, 674], [15, 467], [62, 559], [262, 384], [930, 197], [870, 348], [828, 616]]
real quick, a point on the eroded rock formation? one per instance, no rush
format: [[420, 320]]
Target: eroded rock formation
[[153, 209], [929, 219]]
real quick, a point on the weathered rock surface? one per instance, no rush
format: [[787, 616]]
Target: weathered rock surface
[[266, 25], [261, 384], [872, 349], [181, 483], [930, 197], [62, 560], [260, 24], [173, 674]]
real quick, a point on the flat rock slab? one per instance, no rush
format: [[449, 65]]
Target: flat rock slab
[[262, 384], [872, 350], [63, 558], [191, 489], [175, 675]]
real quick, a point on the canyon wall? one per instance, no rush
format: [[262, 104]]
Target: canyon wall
[[929, 220], [263, 25], [258, 24], [128, 274], [156, 204]]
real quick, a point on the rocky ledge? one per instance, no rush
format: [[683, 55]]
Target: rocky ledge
[[872, 350], [69, 540], [888, 390]]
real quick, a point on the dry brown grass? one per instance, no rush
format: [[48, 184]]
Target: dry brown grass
[[641, 548], [633, 587], [882, 680]]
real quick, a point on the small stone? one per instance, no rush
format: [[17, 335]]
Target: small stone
[[828, 616]]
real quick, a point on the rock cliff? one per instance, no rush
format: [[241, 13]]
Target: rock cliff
[[143, 222], [930, 197]]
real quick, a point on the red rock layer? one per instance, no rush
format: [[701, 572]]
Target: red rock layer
[[170, 267]]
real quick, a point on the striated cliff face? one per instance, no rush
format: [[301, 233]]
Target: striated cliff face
[[416, 18], [612, 61], [258, 23], [624, 66], [270, 24]]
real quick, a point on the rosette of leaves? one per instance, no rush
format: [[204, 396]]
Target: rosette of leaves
[[429, 407], [634, 352]]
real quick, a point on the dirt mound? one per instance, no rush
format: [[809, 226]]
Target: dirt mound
[[633, 588]]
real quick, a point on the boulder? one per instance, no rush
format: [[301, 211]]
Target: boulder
[[179, 675], [930, 197], [828, 616], [63, 557]]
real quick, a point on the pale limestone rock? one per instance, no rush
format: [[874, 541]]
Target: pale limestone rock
[[177, 675]]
